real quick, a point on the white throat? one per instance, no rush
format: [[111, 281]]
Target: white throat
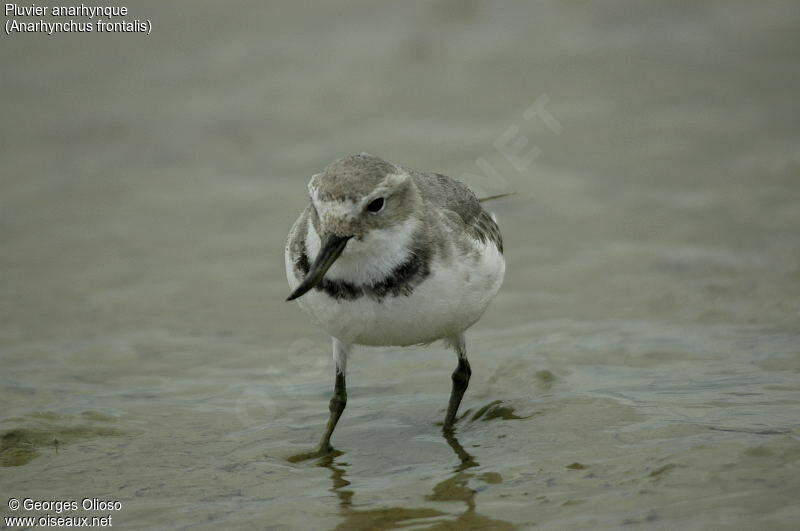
[[371, 259]]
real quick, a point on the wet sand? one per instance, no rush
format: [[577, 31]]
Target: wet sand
[[640, 367]]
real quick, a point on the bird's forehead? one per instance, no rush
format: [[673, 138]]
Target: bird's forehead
[[351, 178]]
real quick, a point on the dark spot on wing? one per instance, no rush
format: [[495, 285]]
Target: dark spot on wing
[[484, 228]]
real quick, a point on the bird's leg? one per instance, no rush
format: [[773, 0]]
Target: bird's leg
[[336, 407], [339, 398], [460, 382]]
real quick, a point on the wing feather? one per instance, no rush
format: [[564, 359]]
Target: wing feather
[[453, 195]]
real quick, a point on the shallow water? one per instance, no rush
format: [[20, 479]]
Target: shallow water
[[641, 365]]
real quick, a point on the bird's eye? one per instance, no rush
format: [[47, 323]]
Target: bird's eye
[[376, 205]]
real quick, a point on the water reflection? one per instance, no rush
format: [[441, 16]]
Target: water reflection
[[453, 488]]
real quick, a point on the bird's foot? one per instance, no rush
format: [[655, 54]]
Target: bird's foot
[[323, 451]]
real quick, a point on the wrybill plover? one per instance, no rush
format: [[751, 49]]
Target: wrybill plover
[[386, 255]]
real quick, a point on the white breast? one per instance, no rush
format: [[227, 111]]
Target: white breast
[[370, 259]]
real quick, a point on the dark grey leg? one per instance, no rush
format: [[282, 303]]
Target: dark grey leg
[[336, 406], [460, 382]]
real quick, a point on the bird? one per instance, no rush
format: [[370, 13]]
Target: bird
[[384, 255]]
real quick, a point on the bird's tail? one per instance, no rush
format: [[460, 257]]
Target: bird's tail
[[497, 196]]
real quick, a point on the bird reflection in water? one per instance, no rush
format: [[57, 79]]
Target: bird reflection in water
[[453, 488]]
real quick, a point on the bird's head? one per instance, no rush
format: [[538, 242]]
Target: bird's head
[[353, 199]]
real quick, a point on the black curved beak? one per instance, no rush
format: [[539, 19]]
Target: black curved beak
[[330, 249]]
